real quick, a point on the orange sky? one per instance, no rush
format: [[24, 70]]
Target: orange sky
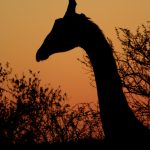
[[24, 25]]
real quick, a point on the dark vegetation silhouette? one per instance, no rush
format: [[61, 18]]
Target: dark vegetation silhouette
[[118, 121], [133, 63], [134, 69], [31, 113]]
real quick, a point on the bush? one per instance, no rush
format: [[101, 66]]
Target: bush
[[134, 69], [133, 62], [32, 113]]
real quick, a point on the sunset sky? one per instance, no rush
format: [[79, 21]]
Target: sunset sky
[[25, 23]]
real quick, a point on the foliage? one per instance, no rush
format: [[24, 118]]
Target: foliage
[[32, 113], [134, 69], [88, 67]]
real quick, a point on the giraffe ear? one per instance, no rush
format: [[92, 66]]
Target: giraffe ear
[[71, 10]]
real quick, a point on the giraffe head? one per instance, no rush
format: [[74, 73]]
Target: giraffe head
[[66, 34]]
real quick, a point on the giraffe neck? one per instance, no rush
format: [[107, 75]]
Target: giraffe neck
[[114, 110]]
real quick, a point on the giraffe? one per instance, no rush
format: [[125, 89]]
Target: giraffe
[[76, 30]]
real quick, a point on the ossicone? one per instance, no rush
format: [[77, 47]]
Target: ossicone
[[71, 10]]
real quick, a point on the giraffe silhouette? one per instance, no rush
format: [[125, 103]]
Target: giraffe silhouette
[[76, 30]]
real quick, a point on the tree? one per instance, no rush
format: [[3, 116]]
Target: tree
[[31, 113], [134, 69], [133, 63]]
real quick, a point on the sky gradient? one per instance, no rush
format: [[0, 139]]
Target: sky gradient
[[24, 25]]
